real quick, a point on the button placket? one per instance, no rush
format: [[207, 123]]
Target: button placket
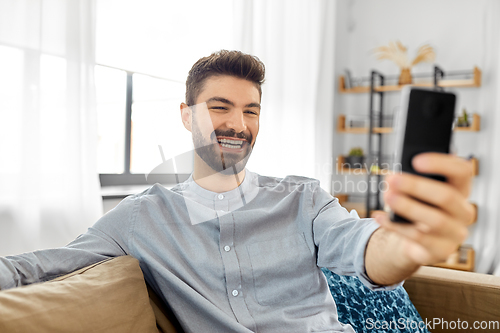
[[232, 270]]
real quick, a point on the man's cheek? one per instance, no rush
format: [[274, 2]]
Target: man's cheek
[[204, 120]]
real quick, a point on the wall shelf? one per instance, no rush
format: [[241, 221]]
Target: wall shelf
[[360, 207], [467, 83], [462, 260], [475, 126], [341, 128], [342, 169]]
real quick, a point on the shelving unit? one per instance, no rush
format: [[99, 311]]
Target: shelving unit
[[378, 87], [475, 126], [475, 81]]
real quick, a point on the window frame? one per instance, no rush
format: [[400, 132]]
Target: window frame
[[127, 178]]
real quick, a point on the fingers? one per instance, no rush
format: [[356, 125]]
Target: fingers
[[435, 193], [423, 247], [458, 171], [440, 210], [427, 219]]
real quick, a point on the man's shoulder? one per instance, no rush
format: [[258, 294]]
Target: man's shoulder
[[153, 193], [290, 180]]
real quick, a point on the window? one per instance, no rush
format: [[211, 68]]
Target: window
[[144, 51], [11, 92]]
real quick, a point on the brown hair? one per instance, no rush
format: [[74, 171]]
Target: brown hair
[[233, 63]]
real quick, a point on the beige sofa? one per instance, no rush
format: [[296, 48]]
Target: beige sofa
[[444, 296], [111, 296]]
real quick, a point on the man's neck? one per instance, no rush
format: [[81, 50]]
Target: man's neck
[[216, 182]]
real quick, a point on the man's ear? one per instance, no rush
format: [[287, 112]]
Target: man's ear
[[187, 116]]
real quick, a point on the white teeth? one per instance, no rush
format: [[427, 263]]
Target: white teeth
[[228, 143], [230, 146], [234, 142]]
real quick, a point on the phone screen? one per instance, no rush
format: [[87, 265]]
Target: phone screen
[[428, 128]]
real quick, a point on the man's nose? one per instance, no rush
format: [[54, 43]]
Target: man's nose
[[237, 121]]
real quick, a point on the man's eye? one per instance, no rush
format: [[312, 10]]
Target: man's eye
[[218, 108], [252, 112]]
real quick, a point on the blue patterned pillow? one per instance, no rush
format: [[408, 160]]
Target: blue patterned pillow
[[373, 311]]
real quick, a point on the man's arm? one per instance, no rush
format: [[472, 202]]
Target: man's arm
[[440, 213], [107, 238]]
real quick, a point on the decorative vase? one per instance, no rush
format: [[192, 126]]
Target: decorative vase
[[405, 77]]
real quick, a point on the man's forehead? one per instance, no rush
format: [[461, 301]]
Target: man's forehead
[[225, 88]]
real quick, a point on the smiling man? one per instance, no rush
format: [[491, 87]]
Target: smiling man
[[224, 124], [234, 251]]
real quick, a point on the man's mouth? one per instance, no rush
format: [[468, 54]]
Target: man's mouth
[[233, 143]]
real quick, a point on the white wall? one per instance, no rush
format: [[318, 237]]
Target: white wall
[[464, 34]]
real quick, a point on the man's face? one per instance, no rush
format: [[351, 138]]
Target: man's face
[[226, 122]]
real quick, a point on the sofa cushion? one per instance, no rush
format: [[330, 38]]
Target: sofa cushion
[[373, 311], [109, 296]]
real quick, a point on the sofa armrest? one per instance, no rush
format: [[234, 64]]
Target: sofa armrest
[[448, 295]]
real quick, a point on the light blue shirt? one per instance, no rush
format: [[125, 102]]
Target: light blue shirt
[[240, 261]]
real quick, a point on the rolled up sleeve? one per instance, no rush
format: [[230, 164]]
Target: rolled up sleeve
[[341, 239]]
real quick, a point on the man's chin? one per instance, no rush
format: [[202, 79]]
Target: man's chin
[[232, 167], [226, 164]]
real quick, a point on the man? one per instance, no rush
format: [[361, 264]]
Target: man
[[233, 251]]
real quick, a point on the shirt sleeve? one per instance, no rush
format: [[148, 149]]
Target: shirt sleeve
[[341, 238], [108, 237]]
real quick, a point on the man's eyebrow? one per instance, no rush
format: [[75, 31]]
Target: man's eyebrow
[[253, 105], [220, 99], [226, 101]]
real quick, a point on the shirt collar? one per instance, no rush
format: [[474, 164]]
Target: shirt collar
[[243, 190]]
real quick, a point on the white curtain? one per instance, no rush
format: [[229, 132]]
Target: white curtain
[[295, 40], [49, 187], [485, 234]]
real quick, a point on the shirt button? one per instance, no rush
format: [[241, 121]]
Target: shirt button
[[235, 293], [227, 248], [220, 197]]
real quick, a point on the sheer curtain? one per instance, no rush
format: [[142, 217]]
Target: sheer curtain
[[485, 234], [49, 187], [294, 39]]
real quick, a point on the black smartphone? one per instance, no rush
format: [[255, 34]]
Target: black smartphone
[[425, 124]]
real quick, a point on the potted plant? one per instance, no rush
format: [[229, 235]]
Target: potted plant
[[355, 158], [463, 120]]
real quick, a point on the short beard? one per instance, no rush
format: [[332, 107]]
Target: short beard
[[221, 162]]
